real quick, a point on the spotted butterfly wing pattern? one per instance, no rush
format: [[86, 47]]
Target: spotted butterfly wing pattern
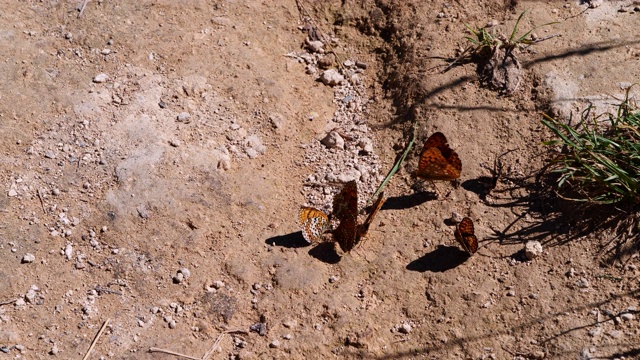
[[313, 222], [364, 228], [345, 203], [465, 235], [437, 160]]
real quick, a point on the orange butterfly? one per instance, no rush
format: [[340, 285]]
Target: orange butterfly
[[345, 208], [465, 235], [314, 223], [437, 160]]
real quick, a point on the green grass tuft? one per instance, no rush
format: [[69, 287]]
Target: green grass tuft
[[600, 158]]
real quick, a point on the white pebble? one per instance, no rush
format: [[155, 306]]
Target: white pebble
[[68, 251], [28, 258], [274, 344], [532, 249], [331, 77], [333, 140], [100, 78], [183, 117], [582, 283], [626, 316]]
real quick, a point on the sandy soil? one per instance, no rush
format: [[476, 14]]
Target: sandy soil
[[164, 197]]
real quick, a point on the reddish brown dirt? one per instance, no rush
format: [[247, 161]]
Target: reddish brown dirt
[[113, 195]]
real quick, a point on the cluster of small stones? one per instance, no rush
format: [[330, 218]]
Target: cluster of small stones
[[346, 152]]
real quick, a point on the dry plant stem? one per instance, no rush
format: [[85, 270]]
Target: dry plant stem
[[95, 339], [41, 201], [153, 349], [7, 302], [215, 346], [84, 5]]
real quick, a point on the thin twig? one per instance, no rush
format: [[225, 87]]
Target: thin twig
[[216, 344], [7, 302], [108, 291], [84, 4], [95, 339], [153, 349], [41, 201]]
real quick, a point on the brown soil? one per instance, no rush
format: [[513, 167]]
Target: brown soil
[[113, 195]]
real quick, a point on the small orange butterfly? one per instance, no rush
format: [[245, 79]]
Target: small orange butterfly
[[345, 208], [465, 235], [437, 160], [314, 223]]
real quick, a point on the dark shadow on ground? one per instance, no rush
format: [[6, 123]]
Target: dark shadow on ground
[[325, 252], [293, 240], [408, 201], [441, 259]]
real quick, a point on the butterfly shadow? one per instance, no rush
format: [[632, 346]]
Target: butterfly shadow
[[292, 240], [439, 260], [325, 252], [408, 201], [480, 186]]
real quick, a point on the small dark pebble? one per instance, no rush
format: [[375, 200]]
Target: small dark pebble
[[162, 104], [361, 65], [260, 328], [5, 349]]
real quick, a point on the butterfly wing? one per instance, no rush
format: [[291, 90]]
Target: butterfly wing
[[313, 222], [364, 228], [465, 234], [437, 160], [346, 233], [345, 203]]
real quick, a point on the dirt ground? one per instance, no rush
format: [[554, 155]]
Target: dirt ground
[[155, 155]]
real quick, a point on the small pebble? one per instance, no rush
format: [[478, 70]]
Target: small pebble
[[274, 344], [511, 293], [49, 154], [333, 140], [183, 117], [68, 251], [172, 324], [218, 284], [532, 249], [626, 316], [55, 192], [582, 283], [316, 46], [405, 328], [174, 142], [333, 278], [570, 273], [331, 77], [456, 217], [257, 286], [287, 336], [54, 350], [28, 258], [100, 78]]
